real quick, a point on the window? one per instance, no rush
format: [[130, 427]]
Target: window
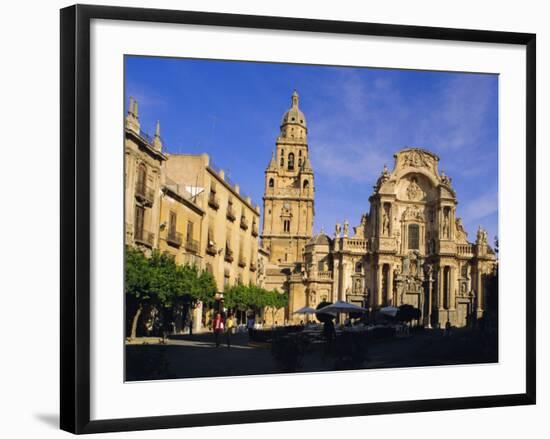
[[138, 222], [189, 230], [414, 237], [306, 184], [286, 225], [358, 267], [282, 157], [271, 182], [299, 162], [172, 224], [142, 177], [291, 161]]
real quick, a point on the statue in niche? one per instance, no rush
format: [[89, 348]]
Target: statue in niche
[[414, 191], [357, 286], [446, 223], [406, 264], [386, 220]]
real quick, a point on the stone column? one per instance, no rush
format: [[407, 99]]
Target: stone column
[[379, 273], [440, 287], [390, 285], [430, 294], [452, 286], [479, 288]]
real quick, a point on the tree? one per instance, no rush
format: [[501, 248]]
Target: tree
[[275, 301], [136, 285], [159, 281]]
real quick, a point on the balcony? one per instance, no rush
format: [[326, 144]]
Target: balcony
[[192, 245], [145, 194], [244, 223], [211, 248], [228, 255], [174, 238], [242, 262], [230, 214], [213, 201], [144, 237], [253, 266], [255, 230]]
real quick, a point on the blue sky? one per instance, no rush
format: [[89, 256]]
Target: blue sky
[[357, 119]]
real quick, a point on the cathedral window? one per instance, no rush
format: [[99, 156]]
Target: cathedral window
[[271, 182], [414, 237], [358, 267], [291, 161], [282, 157], [305, 184], [286, 226]]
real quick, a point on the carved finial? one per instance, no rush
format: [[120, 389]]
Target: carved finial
[[295, 98], [157, 130]]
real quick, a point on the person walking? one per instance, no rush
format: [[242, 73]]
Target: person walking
[[250, 325], [217, 327], [229, 328]]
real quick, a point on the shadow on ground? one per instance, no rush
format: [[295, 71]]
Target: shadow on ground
[[196, 356]]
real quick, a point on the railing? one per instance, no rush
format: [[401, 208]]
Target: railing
[[145, 193], [174, 238], [144, 237], [192, 245], [244, 223], [228, 255], [211, 248], [465, 249], [230, 214], [324, 275], [355, 244], [255, 231], [148, 138], [213, 201], [253, 266], [242, 262]]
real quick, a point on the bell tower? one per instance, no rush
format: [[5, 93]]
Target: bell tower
[[289, 191]]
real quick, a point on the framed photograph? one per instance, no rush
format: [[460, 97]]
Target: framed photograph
[[268, 219]]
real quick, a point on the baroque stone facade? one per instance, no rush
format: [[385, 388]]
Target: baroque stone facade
[[410, 248]]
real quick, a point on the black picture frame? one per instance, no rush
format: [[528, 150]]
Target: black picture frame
[[75, 217]]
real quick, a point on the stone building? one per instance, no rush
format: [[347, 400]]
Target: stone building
[[410, 248], [229, 233], [184, 205], [288, 206], [144, 164]]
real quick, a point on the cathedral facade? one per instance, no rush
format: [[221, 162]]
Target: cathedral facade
[[409, 248]]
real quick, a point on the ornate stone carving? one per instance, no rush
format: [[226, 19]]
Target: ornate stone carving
[[416, 159], [414, 191], [481, 238], [413, 213]]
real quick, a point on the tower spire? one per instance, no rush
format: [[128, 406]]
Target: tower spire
[[295, 98]]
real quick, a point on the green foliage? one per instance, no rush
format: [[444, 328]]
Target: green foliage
[[159, 279], [242, 297]]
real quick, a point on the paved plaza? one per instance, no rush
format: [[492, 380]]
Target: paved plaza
[[195, 356]]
